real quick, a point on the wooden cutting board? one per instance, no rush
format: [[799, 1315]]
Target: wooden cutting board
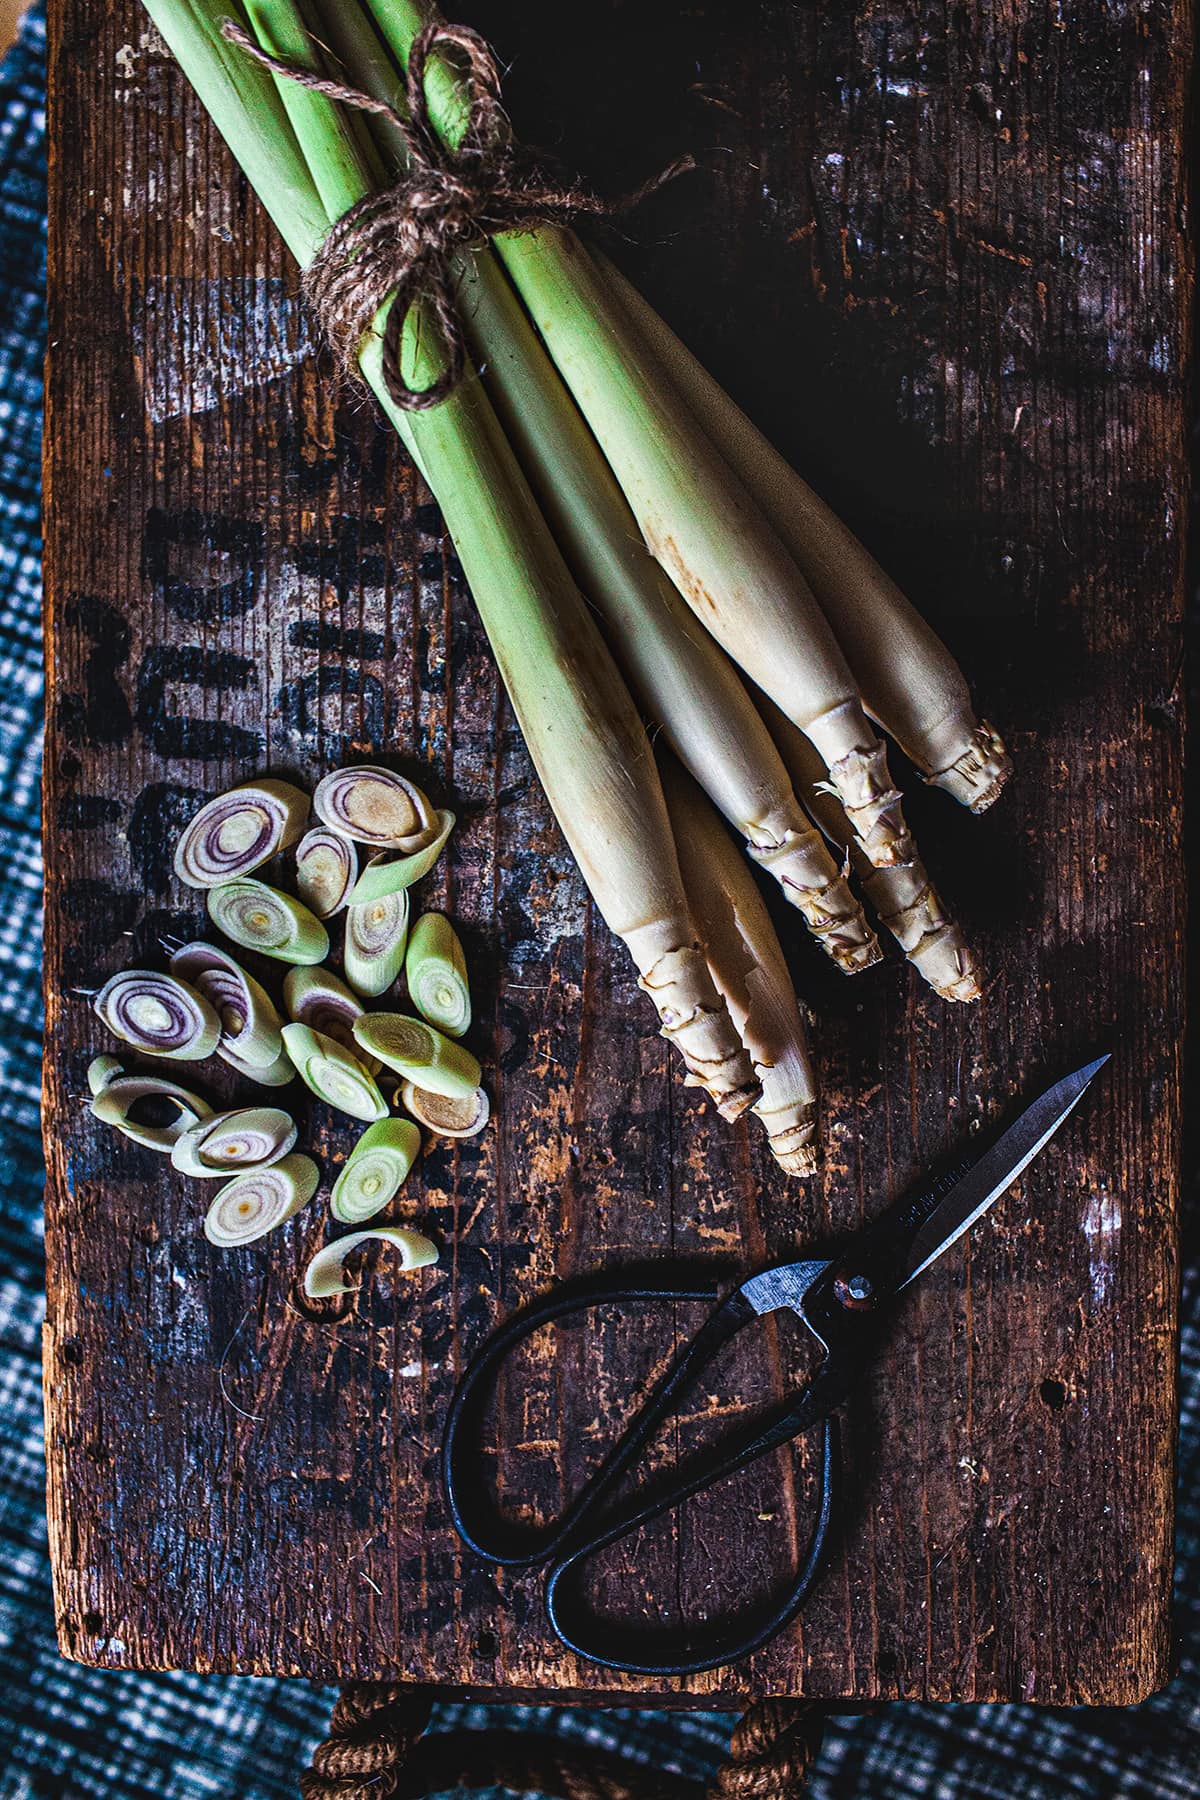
[[946, 270]]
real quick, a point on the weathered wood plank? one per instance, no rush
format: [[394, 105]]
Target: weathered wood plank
[[944, 266]]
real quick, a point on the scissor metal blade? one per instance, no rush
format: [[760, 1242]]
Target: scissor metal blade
[[997, 1169]]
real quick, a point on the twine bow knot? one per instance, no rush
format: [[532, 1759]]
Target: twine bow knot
[[402, 243]]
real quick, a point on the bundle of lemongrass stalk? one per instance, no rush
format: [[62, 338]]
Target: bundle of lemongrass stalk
[[639, 555]]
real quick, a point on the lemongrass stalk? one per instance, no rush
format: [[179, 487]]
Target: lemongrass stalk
[[435, 971], [419, 1053], [251, 1205], [903, 896], [250, 1024], [684, 680], [693, 513], [247, 1137], [158, 1014], [326, 870], [376, 806], [114, 1104], [333, 1073], [323, 1276], [749, 968], [238, 831], [391, 871], [375, 942], [262, 918], [580, 725], [447, 1117], [375, 1171], [910, 682]]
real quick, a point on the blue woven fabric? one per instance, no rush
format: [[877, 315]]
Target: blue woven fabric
[[74, 1732]]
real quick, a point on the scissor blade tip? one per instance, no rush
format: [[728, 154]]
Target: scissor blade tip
[[1093, 1068]]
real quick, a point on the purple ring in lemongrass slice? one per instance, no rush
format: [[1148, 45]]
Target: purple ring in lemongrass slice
[[120, 1096], [323, 1276], [326, 870], [247, 1137], [374, 806], [446, 1117], [252, 1204], [261, 918], [250, 1024], [158, 1014], [321, 999], [238, 831]]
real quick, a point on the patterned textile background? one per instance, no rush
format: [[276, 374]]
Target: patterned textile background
[[69, 1731]]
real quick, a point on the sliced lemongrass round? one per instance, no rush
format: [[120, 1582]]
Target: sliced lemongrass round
[[334, 1074], [237, 831], [375, 1170], [419, 1053], [254, 1203], [250, 1024], [393, 870], [373, 948], [261, 918], [102, 1070], [323, 1276], [159, 1013], [117, 1099], [326, 867], [436, 972], [447, 1117], [319, 998], [373, 806], [273, 1074], [248, 1137]]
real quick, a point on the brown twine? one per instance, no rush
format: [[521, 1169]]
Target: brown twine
[[373, 1752], [402, 242]]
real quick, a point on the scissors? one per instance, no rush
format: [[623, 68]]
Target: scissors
[[845, 1303]]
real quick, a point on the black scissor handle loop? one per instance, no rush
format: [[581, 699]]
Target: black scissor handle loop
[[601, 1641], [517, 1546]]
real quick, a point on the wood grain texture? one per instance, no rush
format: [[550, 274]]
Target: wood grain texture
[[940, 257]]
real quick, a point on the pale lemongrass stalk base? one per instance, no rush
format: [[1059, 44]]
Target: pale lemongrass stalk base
[[908, 678], [900, 891], [748, 967], [695, 1019], [814, 884]]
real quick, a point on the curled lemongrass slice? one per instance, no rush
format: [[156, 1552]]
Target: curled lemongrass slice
[[181, 1110], [392, 870], [160, 1014], [333, 1073], [254, 1203], [436, 972], [249, 1137], [373, 948], [238, 831], [446, 1117], [102, 1070], [273, 1074], [249, 1022], [375, 1170], [319, 998], [323, 1276], [374, 806], [261, 918], [419, 1053], [325, 870]]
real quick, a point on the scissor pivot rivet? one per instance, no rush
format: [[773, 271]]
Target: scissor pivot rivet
[[855, 1289]]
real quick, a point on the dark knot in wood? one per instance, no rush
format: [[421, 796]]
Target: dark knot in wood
[[400, 244]]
